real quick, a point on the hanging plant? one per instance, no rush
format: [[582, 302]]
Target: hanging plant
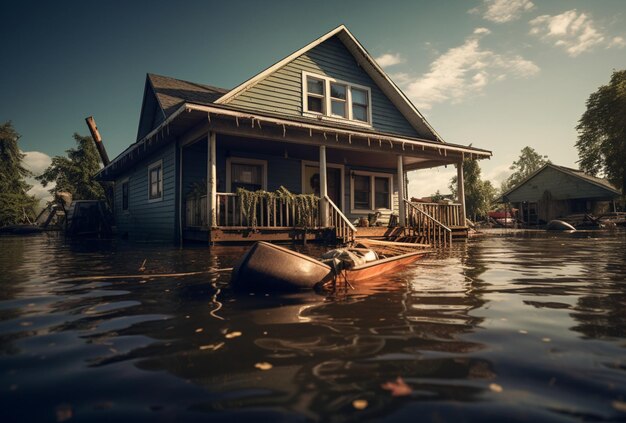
[[305, 206]]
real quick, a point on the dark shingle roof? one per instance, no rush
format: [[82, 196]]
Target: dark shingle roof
[[172, 93]]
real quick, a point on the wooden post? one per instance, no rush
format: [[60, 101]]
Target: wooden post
[[461, 191], [97, 139], [401, 193], [211, 181], [323, 187]]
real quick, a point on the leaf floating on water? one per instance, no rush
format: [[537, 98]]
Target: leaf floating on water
[[546, 339], [231, 335], [360, 404], [619, 405], [199, 330], [212, 347], [523, 332], [263, 365], [494, 387]]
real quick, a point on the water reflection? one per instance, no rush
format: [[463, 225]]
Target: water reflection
[[523, 327]]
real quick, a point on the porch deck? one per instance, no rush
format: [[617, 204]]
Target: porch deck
[[275, 219]]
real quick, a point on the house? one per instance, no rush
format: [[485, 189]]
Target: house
[[554, 192], [326, 120]]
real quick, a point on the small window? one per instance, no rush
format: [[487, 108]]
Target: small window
[[249, 174], [334, 99], [370, 191], [338, 103], [155, 181], [381, 193], [362, 192], [360, 105], [315, 95], [125, 195]]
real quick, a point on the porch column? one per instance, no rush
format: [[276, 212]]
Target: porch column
[[323, 187], [460, 190], [401, 193], [211, 182]]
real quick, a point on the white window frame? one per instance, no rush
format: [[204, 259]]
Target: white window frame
[[341, 168], [244, 160], [152, 166], [127, 181], [372, 176], [327, 114]]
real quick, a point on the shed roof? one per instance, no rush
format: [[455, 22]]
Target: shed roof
[[583, 186]]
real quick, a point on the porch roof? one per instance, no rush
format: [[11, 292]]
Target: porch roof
[[192, 121]]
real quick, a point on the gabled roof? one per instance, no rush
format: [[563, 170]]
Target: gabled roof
[[172, 93], [367, 63], [579, 174]]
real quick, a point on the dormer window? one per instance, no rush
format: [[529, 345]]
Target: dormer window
[[328, 98]]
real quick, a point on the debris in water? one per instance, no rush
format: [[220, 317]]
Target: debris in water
[[619, 405], [199, 330], [232, 335], [64, 412], [398, 388], [546, 339], [494, 387], [143, 265], [359, 404], [523, 332], [212, 347], [263, 365]]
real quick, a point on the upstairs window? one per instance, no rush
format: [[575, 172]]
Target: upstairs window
[[336, 100]]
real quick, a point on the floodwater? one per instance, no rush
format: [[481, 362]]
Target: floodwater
[[523, 327]]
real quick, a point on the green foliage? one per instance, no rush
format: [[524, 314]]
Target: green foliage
[[528, 162], [305, 205], [479, 194], [602, 132], [75, 172], [16, 206], [437, 196]]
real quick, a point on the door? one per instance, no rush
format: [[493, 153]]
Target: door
[[311, 182]]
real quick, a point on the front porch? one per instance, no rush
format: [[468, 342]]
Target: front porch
[[354, 177]]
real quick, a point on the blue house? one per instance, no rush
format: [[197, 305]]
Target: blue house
[[326, 120]]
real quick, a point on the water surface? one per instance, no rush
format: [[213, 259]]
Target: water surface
[[525, 327]]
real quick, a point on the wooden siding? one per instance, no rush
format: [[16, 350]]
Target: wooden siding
[[281, 92], [560, 185], [148, 221]]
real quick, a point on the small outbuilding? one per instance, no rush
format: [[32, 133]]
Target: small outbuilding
[[554, 192]]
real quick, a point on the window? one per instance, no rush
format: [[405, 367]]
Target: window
[[125, 195], [370, 191], [333, 99], [155, 181], [249, 174]]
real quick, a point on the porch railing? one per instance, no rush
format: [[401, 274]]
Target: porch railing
[[447, 214], [421, 224], [343, 228], [267, 213]]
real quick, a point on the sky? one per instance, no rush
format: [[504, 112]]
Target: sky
[[497, 74]]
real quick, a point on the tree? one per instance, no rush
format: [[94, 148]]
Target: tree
[[602, 132], [75, 172], [479, 194], [528, 162], [16, 206]]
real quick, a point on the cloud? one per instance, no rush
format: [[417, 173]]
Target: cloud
[[425, 182], [575, 32], [389, 59], [37, 162], [482, 31], [502, 11], [463, 71]]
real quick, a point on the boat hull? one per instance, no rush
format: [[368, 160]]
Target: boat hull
[[376, 268], [270, 268]]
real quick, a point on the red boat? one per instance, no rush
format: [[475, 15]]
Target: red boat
[[270, 268]]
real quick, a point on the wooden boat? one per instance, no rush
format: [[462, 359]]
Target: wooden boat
[[270, 268]]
